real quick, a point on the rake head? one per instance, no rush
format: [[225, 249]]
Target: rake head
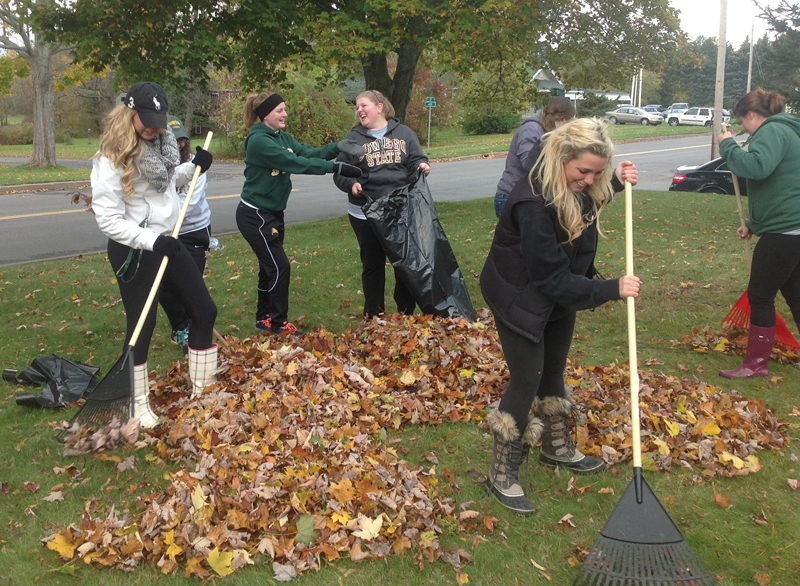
[[112, 397], [739, 316], [640, 545]]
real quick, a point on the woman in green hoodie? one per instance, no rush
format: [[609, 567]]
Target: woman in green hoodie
[[771, 166], [271, 156]]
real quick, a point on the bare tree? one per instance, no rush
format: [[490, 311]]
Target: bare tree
[[17, 35]]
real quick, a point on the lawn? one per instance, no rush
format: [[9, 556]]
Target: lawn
[[692, 265], [23, 174]]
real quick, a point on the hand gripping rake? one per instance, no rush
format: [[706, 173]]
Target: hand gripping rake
[[639, 544], [739, 315], [114, 395]]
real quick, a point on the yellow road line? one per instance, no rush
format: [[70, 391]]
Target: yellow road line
[[700, 146], [41, 214]]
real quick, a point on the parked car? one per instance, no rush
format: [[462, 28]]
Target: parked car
[[711, 177], [656, 106], [696, 117], [652, 109], [629, 114], [676, 108]]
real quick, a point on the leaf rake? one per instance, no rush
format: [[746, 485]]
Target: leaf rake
[[639, 545]]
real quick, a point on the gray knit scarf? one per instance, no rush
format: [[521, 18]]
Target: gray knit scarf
[[159, 158]]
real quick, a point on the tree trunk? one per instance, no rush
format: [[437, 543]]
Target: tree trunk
[[44, 131], [407, 59], [376, 74]]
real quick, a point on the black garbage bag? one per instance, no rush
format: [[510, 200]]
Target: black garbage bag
[[65, 381], [408, 227]]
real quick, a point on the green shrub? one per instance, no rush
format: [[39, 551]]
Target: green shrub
[[17, 134], [64, 137], [490, 122], [594, 105]]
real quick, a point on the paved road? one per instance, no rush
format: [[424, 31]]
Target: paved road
[[45, 225]]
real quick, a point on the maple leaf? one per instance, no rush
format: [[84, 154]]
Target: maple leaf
[[220, 561], [128, 463], [54, 496], [283, 573], [722, 501], [461, 578], [370, 528], [793, 484], [59, 543], [198, 498], [343, 491], [305, 530], [31, 486], [762, 579]]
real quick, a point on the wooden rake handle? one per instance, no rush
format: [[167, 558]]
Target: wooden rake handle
[[742, 221], [175, 231], [631, 306]]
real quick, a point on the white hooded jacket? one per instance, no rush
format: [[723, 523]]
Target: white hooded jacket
[[120, 220]]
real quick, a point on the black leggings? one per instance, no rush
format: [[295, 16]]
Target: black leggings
[[776, 267], [181, 278], [264, 232], [373, 273], [197, 244], [536, 368]]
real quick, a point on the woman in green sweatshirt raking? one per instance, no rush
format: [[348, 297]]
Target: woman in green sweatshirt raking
[[771, 166], [271, 156]]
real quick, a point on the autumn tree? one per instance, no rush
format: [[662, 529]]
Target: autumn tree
[[11, 67], [19, 36]]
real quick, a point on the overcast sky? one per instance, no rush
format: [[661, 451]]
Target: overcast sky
[[701, 17]]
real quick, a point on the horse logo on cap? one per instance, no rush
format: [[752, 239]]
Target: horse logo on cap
[[157, 103]]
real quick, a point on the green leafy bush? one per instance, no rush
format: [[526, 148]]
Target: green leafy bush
[[490, 122], [17, 134], [594, 105]]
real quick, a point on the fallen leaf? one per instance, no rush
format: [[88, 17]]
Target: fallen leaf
[[722, 501], [793, 484], [54, 496], [220, 561], [370, 528], [31, 486], [283, 573], [762, 579]]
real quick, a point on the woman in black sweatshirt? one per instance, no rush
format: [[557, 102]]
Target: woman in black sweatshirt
[[393, 156]]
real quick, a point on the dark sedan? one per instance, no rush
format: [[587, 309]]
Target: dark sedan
[[711, 177]]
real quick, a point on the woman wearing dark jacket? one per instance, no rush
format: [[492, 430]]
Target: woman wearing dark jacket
[[271, 156], [537, 276], [393, 155], [770, 166], [527, 144]]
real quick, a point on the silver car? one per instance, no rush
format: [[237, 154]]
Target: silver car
[[632, 115]]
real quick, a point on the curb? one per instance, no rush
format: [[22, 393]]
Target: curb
[[32, 187]]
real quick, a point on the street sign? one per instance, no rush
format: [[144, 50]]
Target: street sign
[[430, 102]]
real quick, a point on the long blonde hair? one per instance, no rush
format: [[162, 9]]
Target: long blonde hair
[[123, 147], [583, 135]]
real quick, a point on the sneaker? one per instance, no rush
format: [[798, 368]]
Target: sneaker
[[181, 338], [287, 328], [264, 325]]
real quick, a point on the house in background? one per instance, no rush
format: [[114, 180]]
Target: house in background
[[622, 98], [547, 82]]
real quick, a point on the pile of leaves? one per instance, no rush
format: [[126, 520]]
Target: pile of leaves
[[732, 341], [287, 456]]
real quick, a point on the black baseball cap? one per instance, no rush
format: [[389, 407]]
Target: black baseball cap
[[150, 101], [177, 127]]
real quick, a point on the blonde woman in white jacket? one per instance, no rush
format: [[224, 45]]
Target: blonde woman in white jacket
[[134, 198]]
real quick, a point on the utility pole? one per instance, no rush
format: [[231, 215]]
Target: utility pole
[[750, 64], [633, 90], [641, 76], [719, 89]]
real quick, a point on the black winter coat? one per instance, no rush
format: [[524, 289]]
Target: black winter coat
[[527, 288]]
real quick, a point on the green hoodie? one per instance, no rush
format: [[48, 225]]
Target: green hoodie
[[271, 156], [771, 166]]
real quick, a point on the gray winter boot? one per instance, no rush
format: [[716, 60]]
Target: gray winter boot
[[510, 451], [558, 449]]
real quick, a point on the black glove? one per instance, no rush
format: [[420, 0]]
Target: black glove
[[345, 170], [351, 147], [202, 159], [167, 245]]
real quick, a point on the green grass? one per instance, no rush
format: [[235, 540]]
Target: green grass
[[692, 265], [81, 148], [22, 174]]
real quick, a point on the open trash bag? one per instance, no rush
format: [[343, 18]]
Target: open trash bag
[[65, 381], [408, 227]]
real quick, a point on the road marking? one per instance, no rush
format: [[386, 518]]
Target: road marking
[[700, 146], [41, 214]]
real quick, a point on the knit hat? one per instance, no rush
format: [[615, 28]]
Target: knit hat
[[177, 127], [150, 102]]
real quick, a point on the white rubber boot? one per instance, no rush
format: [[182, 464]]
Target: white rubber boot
[[202, 369], [141, 397]]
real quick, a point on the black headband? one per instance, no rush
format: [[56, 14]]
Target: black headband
[[268, 106]]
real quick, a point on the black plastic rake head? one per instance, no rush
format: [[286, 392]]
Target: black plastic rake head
[[641, 545], [112, 397]]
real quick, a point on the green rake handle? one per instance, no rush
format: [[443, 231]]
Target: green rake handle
[[634, 376], [175, 231]]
